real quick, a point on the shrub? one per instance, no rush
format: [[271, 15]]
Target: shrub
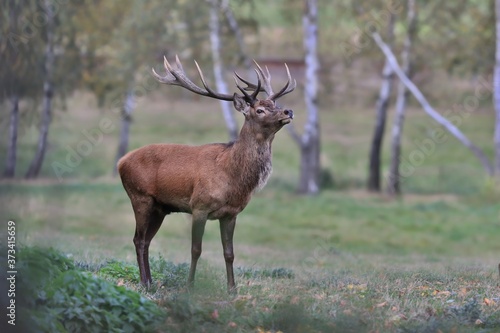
[[82, 302], [119, 270], [60, 298], [172, 275]]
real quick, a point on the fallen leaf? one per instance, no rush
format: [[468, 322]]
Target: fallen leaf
[[489, 302], [232, 324], [381, 305], [478, 322]]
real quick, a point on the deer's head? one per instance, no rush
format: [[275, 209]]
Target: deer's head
[[262, 116]]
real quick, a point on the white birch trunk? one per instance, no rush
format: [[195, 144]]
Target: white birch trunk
[[220, 83], [48, 91], [128, 108], [393, 181], [310, 141], [380, 118]]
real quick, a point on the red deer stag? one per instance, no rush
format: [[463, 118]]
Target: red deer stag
[[211, 182]]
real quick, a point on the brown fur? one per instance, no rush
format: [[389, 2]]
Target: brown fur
[[212, 181]]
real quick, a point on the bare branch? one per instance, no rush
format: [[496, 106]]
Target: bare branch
[[450, 127]]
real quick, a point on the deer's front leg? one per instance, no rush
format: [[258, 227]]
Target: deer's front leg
[[198, 228], [226, 232]]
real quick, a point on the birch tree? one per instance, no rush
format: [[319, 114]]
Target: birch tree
[[215, 42], [309, 141], [235, 28], [393, 185], [19, 74], [380, 117], [126, 120], [48, 92], [443, 121], [144, 25]]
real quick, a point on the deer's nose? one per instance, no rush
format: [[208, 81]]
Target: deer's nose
[[288, 113]]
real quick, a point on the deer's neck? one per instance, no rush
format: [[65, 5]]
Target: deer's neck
[[251, 160]]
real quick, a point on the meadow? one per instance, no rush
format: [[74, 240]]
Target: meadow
[[343, 261]]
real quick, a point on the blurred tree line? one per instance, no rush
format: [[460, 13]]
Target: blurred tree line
[[51, 48]]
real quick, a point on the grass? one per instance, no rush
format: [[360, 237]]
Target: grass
[[342, 261], [355, 296]]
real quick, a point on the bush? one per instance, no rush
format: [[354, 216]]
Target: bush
[[60, 298], [172, 275], [119, 270], [169, 275], [82, 302]]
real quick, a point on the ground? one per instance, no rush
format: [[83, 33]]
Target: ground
[[343, 260]]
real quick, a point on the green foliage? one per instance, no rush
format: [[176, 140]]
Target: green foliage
[[171, 275], [61, 298], [39, 266], [275, 273], [82, 302], [119, 270], [165, 273]]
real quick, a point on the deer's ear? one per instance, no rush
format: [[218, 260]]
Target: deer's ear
[[240, 104]]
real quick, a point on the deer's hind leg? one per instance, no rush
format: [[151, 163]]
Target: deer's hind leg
[[148, 219]]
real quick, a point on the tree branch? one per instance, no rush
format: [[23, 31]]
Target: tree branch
[[455, 131]]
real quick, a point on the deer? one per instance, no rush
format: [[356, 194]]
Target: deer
[[212, 181]]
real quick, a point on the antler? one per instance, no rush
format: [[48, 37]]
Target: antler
[[266, 86], [177, 77]]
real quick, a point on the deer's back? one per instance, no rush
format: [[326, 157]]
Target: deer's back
[[181, 177]]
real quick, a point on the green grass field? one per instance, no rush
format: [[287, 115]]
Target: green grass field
[[354, 261]]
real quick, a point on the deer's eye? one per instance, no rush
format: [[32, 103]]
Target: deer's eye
[[260, 111]]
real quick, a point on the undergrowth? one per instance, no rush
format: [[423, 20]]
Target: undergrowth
[[66, 296]]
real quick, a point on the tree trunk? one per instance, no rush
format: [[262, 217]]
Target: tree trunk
[[128, 107], [48, 91], [233, 25], [394, 184], [309, 143], [10, 166], [449, 126], [381, 115], [220, 83], [496, 94]]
